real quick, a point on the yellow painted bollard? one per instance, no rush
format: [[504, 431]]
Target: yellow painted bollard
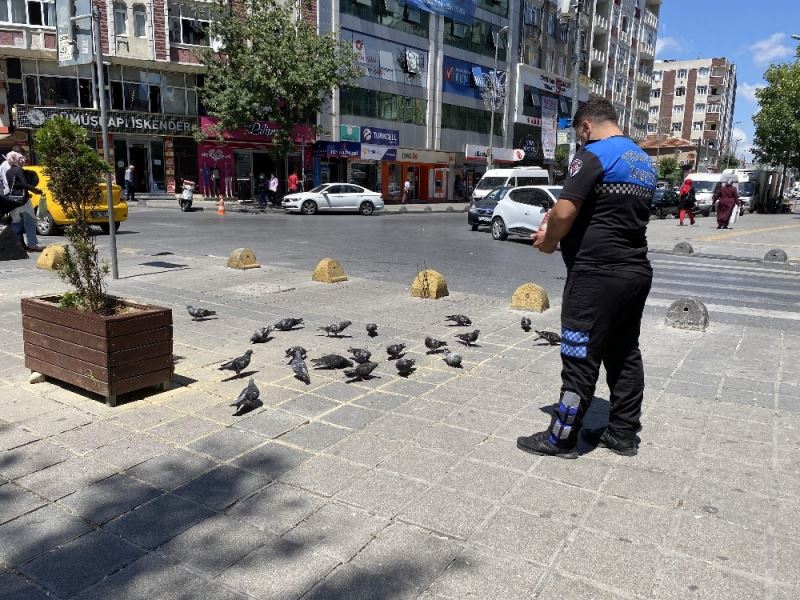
[[429, 284], [329, 270], [243, 258], [530, 296], [51, 258]]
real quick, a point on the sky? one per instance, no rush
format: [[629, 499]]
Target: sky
[[750, 33]]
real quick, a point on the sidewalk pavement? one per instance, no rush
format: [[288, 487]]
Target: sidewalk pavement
[[393, 487]]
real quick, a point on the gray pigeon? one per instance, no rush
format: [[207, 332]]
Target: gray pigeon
[[434, 345], [548, 336], [395, 350], [198, 314], [372, 329], [237, 364], [336, 328], [300, 369], [291, 352], [288, 324], [525, 323], [361, 371], [332, 361], [261, 335], [248, 399], [469, 338], [460, 320], [404, 365], [452, 359], [360, 355]]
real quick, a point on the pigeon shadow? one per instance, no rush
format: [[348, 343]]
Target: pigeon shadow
[[367, 378], [264, 341], [248, 408], [396, 357], [469, 344], [204, 319], [405, 374], [337, 336], [372, 334], [437, 351], [303, 380], [546, 344], [239, 376]]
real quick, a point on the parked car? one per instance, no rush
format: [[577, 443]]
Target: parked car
[[96, 214], [521, 210], [345, 197], [665, 203], [481, 212], [514, 177]]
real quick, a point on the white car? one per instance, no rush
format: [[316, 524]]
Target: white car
[[521, 210], [345, 197]]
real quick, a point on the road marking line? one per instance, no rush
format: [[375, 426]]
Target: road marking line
[[748, 267], [724, 236], [740, 310]]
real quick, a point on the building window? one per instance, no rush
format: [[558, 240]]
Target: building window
[[550, 62], [654, 110], [551, 25], [562, 65], [498, 7], [656, 76], [478, 37], [382, 105], [703, 72], [189, 25], [676, 127], [652, 128], [702, 90], [532, 15], [712, 126], [655, 93], [465, 119], [697, 126], [389, 13], [139, 20], [700, 107], [714, 108], [120, 19], [625, 23], [58, 91], [37, 12], [152, 91], [563, 32], [677, 109], [681, 91], [682, 73]]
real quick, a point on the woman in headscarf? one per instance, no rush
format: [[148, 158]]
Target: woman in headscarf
[[686, 201], [727, 198], [19, 192]]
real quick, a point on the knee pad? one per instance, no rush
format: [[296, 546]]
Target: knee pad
[[567, 419]]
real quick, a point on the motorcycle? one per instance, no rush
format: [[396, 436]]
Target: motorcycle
[[187, 195]]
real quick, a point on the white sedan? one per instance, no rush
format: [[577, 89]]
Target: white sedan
[[346, 197]]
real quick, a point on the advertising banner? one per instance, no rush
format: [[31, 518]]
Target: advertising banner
[[380, 137], [337, 149], [464, 78], [549, 127], [388, 60], [350, 133], [478, 152], [373, 152], [462, 11]]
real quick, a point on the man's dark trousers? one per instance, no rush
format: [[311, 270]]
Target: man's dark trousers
[[601, 316]]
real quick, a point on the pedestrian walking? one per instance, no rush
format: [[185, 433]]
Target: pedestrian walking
[[686, 201], [261, 190], [130, 186], [18, 188], [727, 200], [292, 183], [406, 191], [600, 220], [273, 190]]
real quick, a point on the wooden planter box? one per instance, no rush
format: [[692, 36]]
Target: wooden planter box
[[107, 355]]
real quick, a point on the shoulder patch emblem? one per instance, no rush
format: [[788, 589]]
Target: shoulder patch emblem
[[575, 167]]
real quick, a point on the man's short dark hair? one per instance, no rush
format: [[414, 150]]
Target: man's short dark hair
[[597, 109]]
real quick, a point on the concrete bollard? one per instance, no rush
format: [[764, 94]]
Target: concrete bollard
[[687, 313], [403, 209], [428, 209], [450, 209], [683, 249], [530, 296], [51, 258], [329, 270], [776, 255], [243, 259], [429, 284]]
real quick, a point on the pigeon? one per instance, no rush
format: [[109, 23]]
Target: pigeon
[[331, 361], [261, 335], [405, 365], [548, 336], [434, 345], [300, 369], [248, 399], [395, 350], [237, 364], [361, 371], [198, 314], [288, 324], [525, 323], [460, 320], [360, 355], [469, 338], [372, 329], [336, 328], [452, 359], [291, 352]]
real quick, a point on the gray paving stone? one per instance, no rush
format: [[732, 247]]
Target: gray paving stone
[[474, 419], [425, 408], [13, 436], [383, 493], [663, 489], [73, 567], [746, 397], [684, 578], [309, 405], [65, 477], [57, 421], [340, 392], [109, 498], [787, 557], [276, 508], [451, 513], [479, 479], [31, 458], [449, 439], [37, 532], [315, 436], [15, 587], [550, 499], [419, 463], [323, 475], [364, 448], [560, 585], [272, 459], [227, 443], [397, 427], [141, 417], [380, 400], [504, 453], [221, 487], [407, 387], [587, 472], [349, 582], [351, 416], [159, 520], [184, 430], [213, 545], [91, 436], [129, 451], [171, 469], [30, 406], [631, 521], [271, 423]]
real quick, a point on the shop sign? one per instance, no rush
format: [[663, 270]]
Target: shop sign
[[534, 121], [257, 131], [373, 152], [337, 149], [380, 137], [464, 78], [350, 133], [478, 152], [31, 117], [425, 156], [529, 147], [462, 11], [388, 60], [549, 119], [73, 35]]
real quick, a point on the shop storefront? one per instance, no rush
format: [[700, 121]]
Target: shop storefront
[[331, 161], [430, 172], [161, 147]]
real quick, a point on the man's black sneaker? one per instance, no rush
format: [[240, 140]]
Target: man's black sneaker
[[623, 446], [539, 443]]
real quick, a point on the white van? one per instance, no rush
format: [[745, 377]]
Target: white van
[[705, 186], [495, 178]]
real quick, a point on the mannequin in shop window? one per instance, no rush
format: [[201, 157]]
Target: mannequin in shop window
[[229, 185], [205, 181], [215, 182]]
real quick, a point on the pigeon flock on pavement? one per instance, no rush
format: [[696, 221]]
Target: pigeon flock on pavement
[[359, 366]]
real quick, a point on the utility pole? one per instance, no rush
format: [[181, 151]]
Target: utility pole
[[494, 83], [101, 84]]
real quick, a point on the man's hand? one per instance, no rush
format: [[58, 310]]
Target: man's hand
[[542, 244], [37, 191]]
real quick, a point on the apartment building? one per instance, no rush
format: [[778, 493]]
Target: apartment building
[[694, 100]]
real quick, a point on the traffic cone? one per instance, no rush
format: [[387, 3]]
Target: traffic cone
[[221, 206]]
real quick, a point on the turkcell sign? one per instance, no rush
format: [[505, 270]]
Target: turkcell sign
[[462, 11], [380, 137]]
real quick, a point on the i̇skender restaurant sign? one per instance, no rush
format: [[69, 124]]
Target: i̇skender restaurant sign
[[31, 117]]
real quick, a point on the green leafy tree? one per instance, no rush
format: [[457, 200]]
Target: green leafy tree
[[75, 172], [728, 161], [268, 64], [669, 169]]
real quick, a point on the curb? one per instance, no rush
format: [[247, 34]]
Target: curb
[[247, 208]]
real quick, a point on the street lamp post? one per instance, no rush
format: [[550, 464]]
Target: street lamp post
[[489, 154], [576, 82]]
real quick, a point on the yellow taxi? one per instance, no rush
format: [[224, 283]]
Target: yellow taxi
[[96, 214]]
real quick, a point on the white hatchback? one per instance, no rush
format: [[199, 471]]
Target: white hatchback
[[521, 210], [345, 197]]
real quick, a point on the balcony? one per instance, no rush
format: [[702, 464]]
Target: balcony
[[600, 23], [650, 19], [598, 56], [647, 50], [642, 105], [596, 87], [644, 78]]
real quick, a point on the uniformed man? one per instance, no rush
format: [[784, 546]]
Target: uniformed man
[[600, 220]]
